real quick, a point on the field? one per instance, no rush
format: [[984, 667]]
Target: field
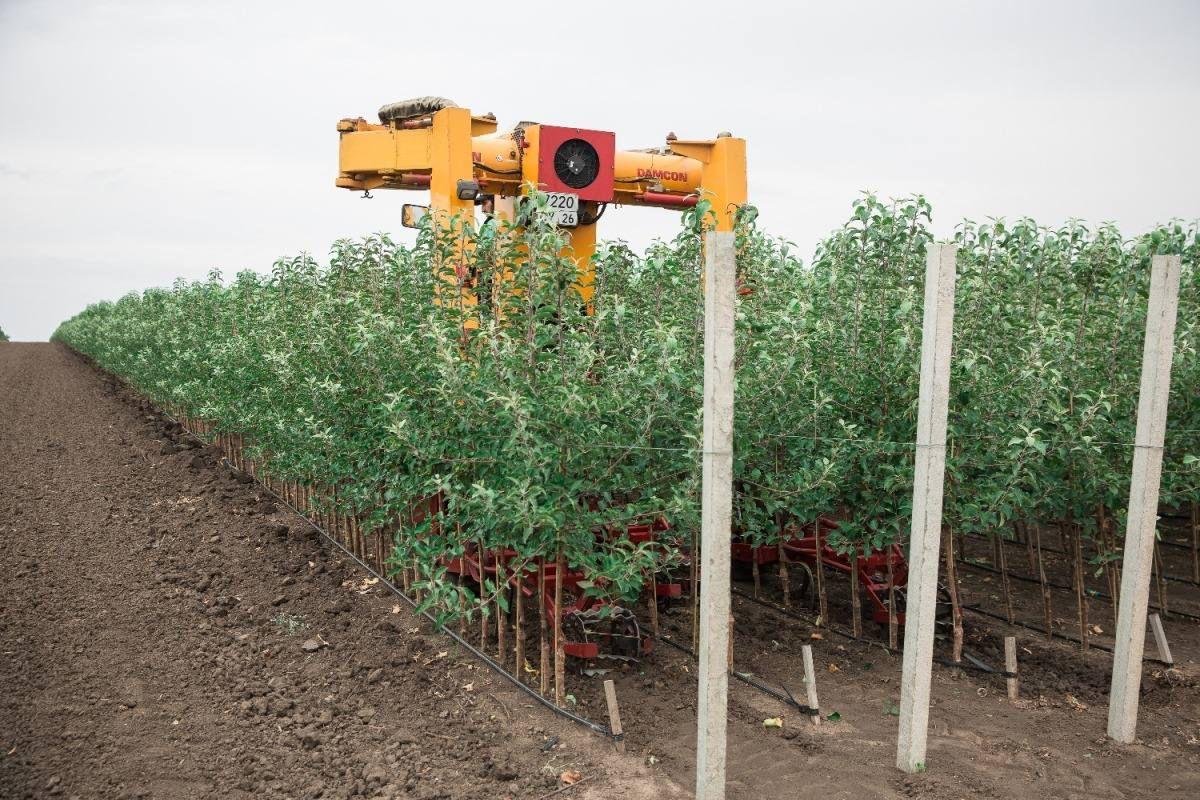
[[523, 452], [109, 640]]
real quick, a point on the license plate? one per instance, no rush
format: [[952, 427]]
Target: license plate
[[565, 207]]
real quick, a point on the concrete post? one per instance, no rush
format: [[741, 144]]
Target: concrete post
[[933, 403], [1143, 497], [716, 511]]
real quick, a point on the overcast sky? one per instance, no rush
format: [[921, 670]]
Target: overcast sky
[[140, 141]]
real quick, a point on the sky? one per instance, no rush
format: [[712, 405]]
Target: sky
[[143, 141]]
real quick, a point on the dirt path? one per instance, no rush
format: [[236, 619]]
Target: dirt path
[[152, 626], [154, 614]]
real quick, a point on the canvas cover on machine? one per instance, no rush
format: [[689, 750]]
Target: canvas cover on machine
[[416, 107]]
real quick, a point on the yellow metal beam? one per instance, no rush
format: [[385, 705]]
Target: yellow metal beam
[[451, 145], [723, 179]]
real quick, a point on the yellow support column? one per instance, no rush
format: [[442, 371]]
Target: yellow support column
[[724, 179], [450, 162], [581, 250]]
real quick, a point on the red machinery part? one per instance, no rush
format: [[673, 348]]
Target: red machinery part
[[667, 200], [524, 577], [552, 137], [872, 567], [415, 179]]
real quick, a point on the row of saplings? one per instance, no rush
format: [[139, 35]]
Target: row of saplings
[[528, 440]]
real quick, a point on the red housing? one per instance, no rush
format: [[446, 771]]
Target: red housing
[[551, 137]]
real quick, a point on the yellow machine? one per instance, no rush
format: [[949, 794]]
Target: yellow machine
[[463, 160]]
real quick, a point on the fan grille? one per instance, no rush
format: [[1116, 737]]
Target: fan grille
[[576, 163]]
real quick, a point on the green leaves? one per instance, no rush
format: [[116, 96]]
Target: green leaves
[[541, 423]]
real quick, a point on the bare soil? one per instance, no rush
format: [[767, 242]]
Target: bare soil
[[155, 611], [153, 623]]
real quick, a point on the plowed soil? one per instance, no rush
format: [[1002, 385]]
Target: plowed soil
[[153, 623], [166, 631]]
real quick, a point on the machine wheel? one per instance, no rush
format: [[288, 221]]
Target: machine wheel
[[803, 583], [624, 634], [741, 571], [943, 607], [574, 629]]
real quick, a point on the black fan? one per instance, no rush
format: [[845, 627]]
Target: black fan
[[576, 163]]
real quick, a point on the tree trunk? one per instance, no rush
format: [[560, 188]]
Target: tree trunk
[[1047, 613], [1106, 547], [1081, 588], [501, 614], [695, 590], [560, 655], [1029, 548], [484, 622], [955, 608], [893, 622], [1159, 579], [1005, 583], [1196, 542]]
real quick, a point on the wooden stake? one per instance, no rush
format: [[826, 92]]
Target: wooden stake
[[731, 642], [653, 609], [481, 556], [560, 654], [501, 615], [1143, 497], [1010, 666], [785, 580], [855, 600], [416, 578], [893, 621], [810, 682], [1195, 542], [544, 644], [519, 625], [928, 486], [614, 715], [822, 597], [1160, 640], [716, 512]]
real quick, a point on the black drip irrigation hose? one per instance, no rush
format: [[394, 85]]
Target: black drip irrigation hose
[[1056, 552], [975, 665], [808, 621], [603, 730], [1094, 593], [1056, 634], [747, 678], [461, 642]]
